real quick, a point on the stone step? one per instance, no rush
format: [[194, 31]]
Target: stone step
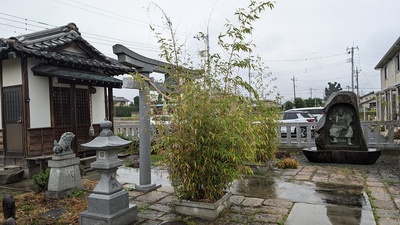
[[10, 176], [12, 167]]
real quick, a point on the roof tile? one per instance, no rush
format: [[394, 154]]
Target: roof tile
[[40, 45]]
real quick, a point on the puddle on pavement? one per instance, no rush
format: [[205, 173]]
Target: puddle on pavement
[[296, 191], [269, 187], [131, 176], [315, 203]]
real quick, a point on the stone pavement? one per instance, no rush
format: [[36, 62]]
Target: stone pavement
[[380, 181]]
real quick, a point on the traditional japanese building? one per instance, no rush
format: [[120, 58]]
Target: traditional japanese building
[[51, 82]]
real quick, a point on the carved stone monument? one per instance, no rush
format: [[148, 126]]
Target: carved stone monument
[[339, 135], [109, 203], [64, 169]]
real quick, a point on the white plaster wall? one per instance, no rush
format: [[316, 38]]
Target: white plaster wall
[[12, 72], [11, 76], [98, 105], [39, 95]]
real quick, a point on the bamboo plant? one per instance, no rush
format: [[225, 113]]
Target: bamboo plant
[[220, 121]]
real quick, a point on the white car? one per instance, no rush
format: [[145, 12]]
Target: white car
[[160, 120], [295, 119], [316, 112]]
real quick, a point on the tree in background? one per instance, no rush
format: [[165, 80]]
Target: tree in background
[[332, 87], [288, 105], [299, 103], [313, 102], [136, 104], [126, 111], [136, 101]]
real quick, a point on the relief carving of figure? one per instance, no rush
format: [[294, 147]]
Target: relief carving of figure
[[341, 126]]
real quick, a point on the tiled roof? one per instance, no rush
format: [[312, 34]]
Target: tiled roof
[[120, 99], [70, 75], [47, 45]]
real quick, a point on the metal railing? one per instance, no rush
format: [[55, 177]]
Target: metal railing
[[376, 133]]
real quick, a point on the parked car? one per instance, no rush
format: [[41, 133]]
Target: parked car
[[160, 120], [296, 117], [316, 112]]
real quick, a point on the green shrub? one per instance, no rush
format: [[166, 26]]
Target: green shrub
[[27, 207], [125, 111], [133, 148], [41, 180], [78, 192], [288, 163]]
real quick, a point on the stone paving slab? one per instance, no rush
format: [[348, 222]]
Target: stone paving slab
[[323, 215], [380, 182]]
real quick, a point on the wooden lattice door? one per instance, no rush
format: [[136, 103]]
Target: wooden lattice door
[[13, 118], [72, 114], [62, 111]]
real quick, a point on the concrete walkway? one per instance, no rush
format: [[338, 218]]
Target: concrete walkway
[[380, 181]]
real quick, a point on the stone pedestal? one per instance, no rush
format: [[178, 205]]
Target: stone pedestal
[[64, 176], [109, 203]]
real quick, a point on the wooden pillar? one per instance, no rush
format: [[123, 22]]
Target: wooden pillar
[[74, 115], [111, 106]]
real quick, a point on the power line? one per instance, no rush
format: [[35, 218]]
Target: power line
[[303, 59], [311, 69]]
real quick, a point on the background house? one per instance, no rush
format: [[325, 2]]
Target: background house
[[51, 82], [121, 101], [387, 98], [368, 101]]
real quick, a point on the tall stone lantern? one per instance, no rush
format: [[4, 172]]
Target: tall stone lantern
[[109, 203]]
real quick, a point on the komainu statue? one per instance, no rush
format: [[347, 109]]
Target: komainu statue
[[63, 147]]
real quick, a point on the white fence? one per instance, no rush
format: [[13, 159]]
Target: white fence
[[373, 134]]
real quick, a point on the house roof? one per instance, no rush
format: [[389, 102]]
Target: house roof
[[370, 93], [67, 75], [52, 45], [120, 99], [389, 54]]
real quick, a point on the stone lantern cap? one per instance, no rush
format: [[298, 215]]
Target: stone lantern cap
[[106, 140]]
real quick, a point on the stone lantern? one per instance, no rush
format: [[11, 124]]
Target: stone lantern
[[109, 203]]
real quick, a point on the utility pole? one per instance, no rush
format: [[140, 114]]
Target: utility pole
[[351, 51], [315, 100], [294, 88], [311, 89], [358, 89]]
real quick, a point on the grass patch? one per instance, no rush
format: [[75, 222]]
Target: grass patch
[[388, 182], [283, 221], [373, 206], [6, 191], [143, 208], [31, 205], [156, 160]]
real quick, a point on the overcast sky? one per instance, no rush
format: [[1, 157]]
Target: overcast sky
[[307, 40]]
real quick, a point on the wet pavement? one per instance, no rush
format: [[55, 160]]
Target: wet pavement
[[311, 194]]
